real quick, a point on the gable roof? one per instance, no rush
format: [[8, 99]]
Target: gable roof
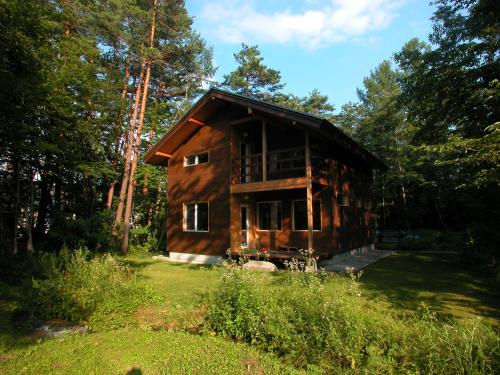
[[214, 99]]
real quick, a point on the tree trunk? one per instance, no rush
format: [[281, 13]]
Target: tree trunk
[[118, 124], [29, 222], [131, 181], [128, 155], [17, 172], [39, 230]]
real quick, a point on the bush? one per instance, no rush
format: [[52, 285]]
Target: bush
[[142, 241], [427, 240], [95, 232], [82, 289], [338, 334]]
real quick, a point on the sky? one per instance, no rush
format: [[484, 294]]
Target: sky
[[330, 45]]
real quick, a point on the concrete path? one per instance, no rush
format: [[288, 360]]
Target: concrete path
[[354, 259]]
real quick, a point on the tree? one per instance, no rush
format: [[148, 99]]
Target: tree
[[379, 123], [69, 75], [452, 94], [251, 77]]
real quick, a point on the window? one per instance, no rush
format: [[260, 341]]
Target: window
[[359, 202], [299, 212], [196, 159], [196, 217], [343, 199], [269, 215]]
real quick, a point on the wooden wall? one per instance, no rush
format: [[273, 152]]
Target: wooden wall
[[204, 182], [343, 228]]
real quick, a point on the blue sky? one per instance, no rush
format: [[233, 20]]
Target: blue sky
[[326, 44]]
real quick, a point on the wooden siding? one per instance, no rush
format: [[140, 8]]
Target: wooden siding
[[343, 228], [201, 183]]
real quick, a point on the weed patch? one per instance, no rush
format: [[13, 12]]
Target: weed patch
[[306, 327]]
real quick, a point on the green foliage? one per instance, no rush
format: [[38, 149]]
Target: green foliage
[[94, 232], [339, 334], [79, 288], [67, 108], [252, 77], [142, 241]]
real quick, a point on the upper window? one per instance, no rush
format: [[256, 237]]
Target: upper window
[[343, 199], [269, 215], [196, 217], [196, 159], [299, 210]]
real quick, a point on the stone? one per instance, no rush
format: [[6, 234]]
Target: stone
[[57, 328], [260, 265]]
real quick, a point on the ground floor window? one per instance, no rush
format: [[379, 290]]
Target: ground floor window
[[299, 212], [196, 217], [269, 215]]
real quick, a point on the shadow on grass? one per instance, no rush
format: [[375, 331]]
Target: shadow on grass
[[15, 322], [406, 279]]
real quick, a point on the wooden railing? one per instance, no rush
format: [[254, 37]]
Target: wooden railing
[[282, 163]]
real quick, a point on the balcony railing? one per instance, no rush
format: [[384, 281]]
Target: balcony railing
[[280, 164]]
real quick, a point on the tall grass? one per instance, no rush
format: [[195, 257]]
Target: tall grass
[[338, 334], [81, 288]]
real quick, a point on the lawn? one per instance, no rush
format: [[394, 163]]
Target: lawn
[[160, 340], [439, 280]]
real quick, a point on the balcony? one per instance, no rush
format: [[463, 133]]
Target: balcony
[[284, 169]]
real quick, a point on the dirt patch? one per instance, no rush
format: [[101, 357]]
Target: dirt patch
[[153, 317], [253, 366], [162, 318]]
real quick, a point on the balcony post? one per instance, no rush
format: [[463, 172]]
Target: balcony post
[[264, 151], [309, 195]]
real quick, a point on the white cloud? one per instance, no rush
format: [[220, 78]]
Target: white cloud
[[325, 23]]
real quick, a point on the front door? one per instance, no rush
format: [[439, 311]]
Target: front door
[[245, 226]]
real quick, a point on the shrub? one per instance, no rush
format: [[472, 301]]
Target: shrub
[[79, 288], [141, 240], [95, 232], [298, 322], [427, 240]]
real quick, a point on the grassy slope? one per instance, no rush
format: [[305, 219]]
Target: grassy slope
[[402, 281]]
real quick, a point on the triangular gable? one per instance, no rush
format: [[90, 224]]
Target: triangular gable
[[212, 101]]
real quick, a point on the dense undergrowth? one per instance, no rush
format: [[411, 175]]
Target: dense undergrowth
[[337, 334], [80, 287]]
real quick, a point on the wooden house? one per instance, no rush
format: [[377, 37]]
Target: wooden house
[[251, 176]]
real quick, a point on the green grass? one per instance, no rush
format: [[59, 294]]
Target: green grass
[[396, 283], [438, 279], [180, 284], [138, 351]]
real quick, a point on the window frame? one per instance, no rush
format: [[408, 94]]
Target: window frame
[[343, 202], [184, 217], [196, 155], [320, 215], [258, 217]]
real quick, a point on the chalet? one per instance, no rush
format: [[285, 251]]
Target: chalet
[[252, 177]]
